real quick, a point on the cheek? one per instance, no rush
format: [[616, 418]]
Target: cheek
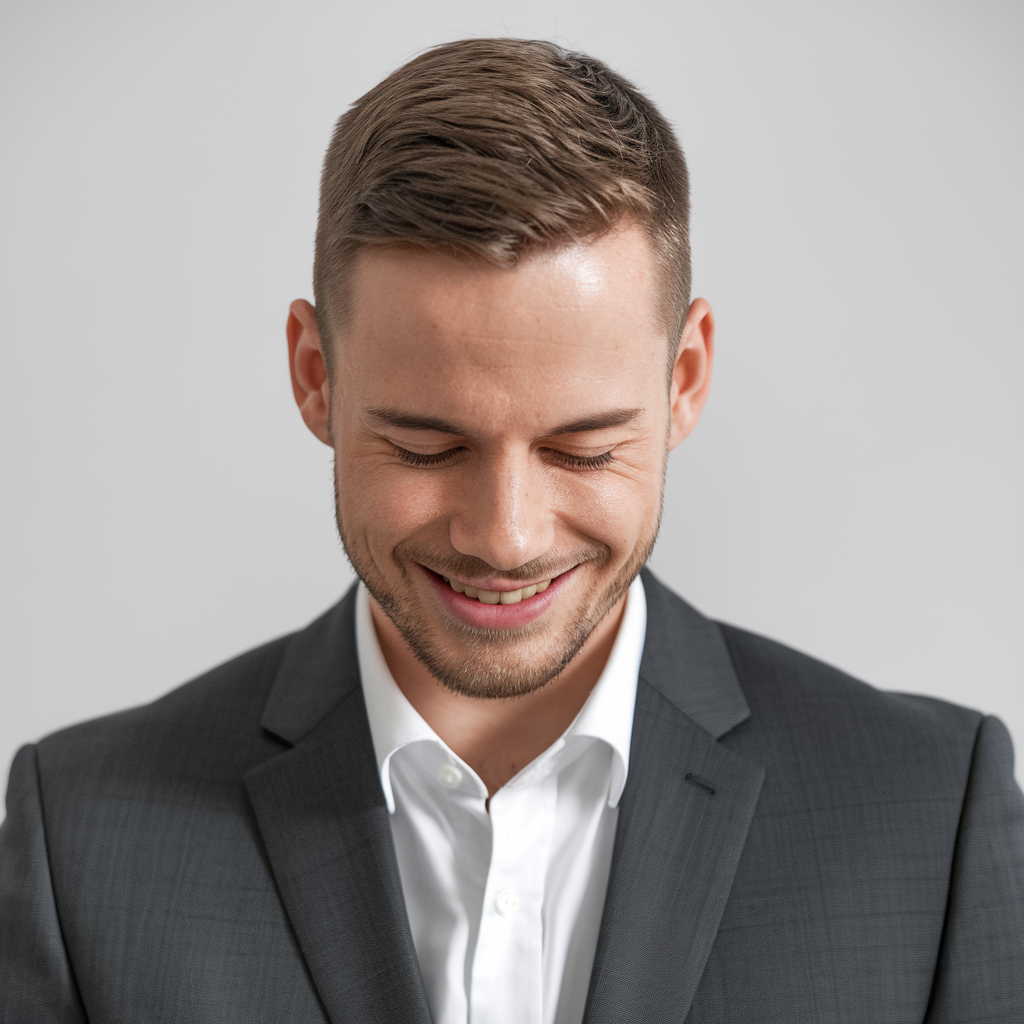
[[617, 508], [385, 504]]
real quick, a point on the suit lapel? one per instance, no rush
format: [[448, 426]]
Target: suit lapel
[[683, 822], [322, 817]]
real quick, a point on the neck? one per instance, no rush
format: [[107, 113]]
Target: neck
[[497, 738]]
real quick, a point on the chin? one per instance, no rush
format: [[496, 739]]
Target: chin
[[492, 667]]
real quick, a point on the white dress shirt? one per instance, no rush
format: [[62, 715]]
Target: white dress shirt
[[505, 906]]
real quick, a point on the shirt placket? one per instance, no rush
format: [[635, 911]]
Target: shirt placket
[[507, 973]]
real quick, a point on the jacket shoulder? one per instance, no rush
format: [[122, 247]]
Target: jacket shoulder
[[814, 722], [213, 718], [774, 676]]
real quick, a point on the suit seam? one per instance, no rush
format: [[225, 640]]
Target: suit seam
[[37, 778], [723, 633], [953, 861]]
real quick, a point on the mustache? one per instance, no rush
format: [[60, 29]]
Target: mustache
[[545, 567]]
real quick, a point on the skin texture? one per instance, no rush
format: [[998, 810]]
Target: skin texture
[[466, 402]]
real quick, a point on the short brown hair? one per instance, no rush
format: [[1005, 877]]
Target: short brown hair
[[494, 147]]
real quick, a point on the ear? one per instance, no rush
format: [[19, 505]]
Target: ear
[[310, 383], [691, 376]]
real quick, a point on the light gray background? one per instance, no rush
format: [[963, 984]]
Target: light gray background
[[854, 490]]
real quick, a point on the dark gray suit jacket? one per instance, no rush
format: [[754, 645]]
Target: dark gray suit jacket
[[792, 846]]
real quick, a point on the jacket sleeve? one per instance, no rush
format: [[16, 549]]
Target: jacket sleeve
[[36, 982], [980, 973]]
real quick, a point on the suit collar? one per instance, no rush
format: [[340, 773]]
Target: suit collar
[[685, 659], [319, 670]]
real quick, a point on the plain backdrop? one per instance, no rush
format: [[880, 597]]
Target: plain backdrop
[[855, 488]]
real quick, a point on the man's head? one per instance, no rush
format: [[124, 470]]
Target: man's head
[[496, 148], [487, 356]]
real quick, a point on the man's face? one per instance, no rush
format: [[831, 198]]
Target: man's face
[[500, 436]]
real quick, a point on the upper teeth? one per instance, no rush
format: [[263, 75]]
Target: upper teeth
[[498, 596]]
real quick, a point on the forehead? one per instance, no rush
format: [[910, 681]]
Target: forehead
[[580, 315]]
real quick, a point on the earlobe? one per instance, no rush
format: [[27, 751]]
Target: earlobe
[[691, 377], [310, 383]]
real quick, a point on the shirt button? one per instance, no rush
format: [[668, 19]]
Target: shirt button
[[449, 774], [506, 902]]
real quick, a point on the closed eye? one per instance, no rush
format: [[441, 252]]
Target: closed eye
[[582, 461], [420, 459], [566, 459]]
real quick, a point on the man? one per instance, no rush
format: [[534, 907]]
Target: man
[[508, 779]]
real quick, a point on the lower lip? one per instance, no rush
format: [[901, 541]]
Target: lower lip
[[496, 616]]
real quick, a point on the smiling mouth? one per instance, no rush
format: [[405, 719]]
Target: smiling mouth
[[498, 596]]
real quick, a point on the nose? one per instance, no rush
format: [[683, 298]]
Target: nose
[[503, 516]]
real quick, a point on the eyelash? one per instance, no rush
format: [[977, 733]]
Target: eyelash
[[441, 458], [418, 459], [584, 462]]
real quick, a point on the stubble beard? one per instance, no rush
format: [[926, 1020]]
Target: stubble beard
[[490, 664]]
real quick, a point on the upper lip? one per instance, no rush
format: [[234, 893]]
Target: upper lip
[[499, 586]]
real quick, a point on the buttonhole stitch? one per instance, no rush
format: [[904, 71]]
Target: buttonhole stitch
[[700, 783]]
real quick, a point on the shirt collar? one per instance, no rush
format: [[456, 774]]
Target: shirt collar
[[607, 714]]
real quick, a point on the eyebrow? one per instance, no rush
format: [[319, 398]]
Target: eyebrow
[[409, 421]]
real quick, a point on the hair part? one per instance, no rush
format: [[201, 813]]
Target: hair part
[[493, 149]]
